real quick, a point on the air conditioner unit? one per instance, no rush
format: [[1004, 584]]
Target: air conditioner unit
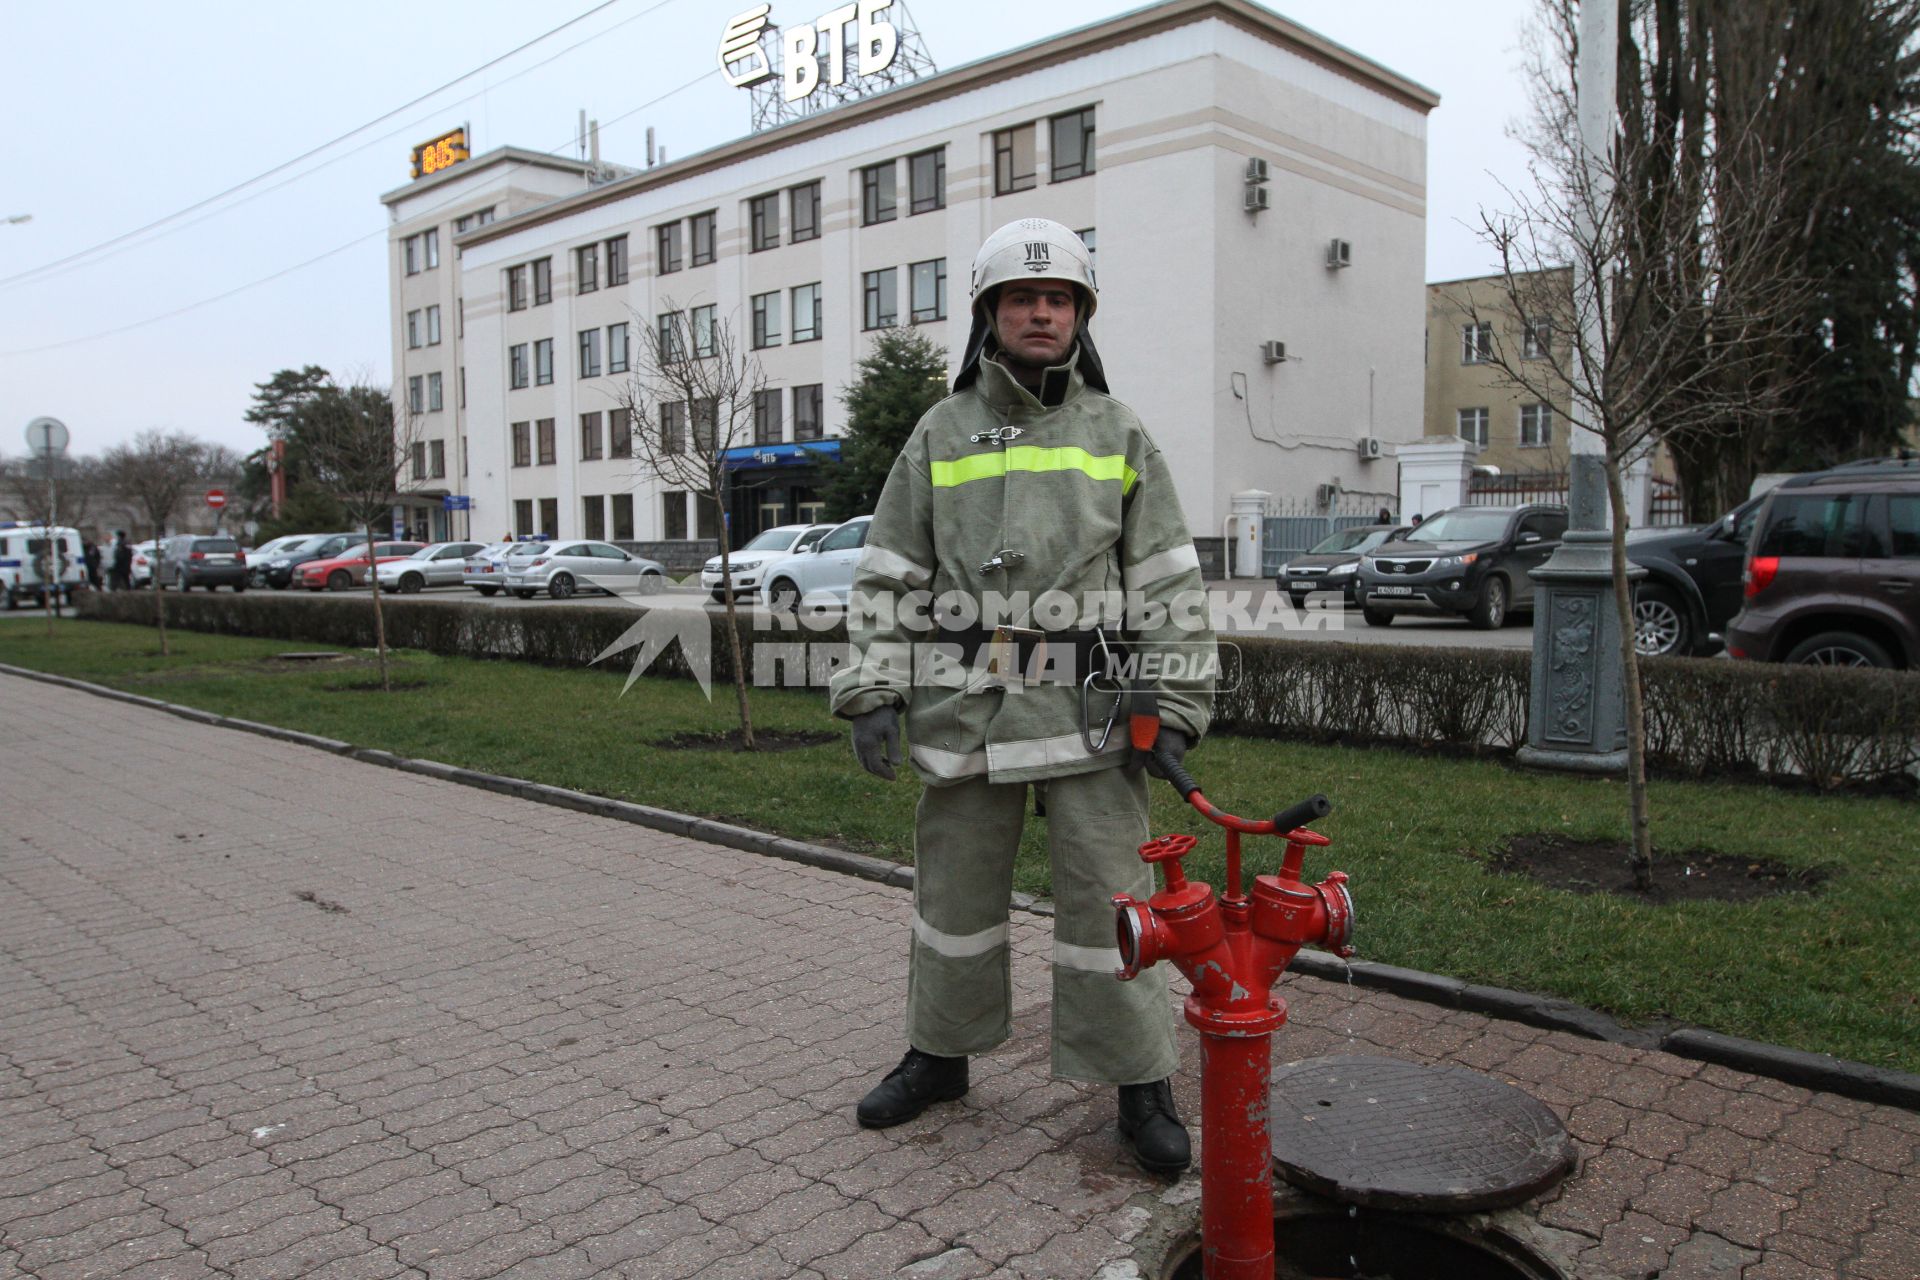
[[1371, 448], [1256, 170], [1257, 199], [1324, 494], [1339, 254], [1273, 352]]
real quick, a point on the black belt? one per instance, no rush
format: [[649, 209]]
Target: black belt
[[1090, 648]]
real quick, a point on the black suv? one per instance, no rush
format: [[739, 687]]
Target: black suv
[[1692, 585], [1471, 561], [1833, 572]]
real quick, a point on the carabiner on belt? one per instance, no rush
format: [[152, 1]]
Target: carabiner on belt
[[1104, 672]]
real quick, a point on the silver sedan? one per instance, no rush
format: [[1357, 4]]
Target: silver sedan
[[567, 567], [438, 565]]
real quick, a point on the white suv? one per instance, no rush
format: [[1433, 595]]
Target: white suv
[[752, 564]]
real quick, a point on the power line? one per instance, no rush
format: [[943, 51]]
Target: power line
[[35, 272], [321, 257]]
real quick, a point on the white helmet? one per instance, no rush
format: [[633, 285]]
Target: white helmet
[[1035, 249]]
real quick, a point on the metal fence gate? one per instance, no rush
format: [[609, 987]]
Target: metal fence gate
[[1285, 536]]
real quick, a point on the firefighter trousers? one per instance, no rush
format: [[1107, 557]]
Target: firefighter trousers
[[959, 983]]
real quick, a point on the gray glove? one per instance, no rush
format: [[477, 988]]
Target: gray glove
[[1174, 743], [876, 741]]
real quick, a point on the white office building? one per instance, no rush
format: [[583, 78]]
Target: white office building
[[1254, 196]]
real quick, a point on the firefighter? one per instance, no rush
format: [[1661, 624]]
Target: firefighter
[[1033, 516]]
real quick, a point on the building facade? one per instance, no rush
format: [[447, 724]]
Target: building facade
[[1254, 197]]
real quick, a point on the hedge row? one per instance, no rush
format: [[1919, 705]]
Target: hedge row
[[1831, 727]]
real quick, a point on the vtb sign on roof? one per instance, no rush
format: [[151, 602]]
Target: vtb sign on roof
[[875, 43]]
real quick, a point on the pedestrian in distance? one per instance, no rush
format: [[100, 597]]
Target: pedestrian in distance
[[1385, 516], [1030, 480], [91, 558], [120, 566]]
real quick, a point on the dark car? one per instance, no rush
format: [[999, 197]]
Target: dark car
[[278, 572], [1833, 572], [1692, 585], [1333, 563], [196, 561], [1469, 561]]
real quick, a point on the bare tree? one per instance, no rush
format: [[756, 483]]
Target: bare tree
[[689, 399], [358, 440], [1700, 286], [153, 475]]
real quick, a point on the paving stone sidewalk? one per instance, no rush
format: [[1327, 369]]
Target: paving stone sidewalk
[[268, 1012]]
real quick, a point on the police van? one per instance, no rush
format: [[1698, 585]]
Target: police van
[[30, 560]]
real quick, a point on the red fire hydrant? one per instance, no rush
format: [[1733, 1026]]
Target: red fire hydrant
[[1233, 949]]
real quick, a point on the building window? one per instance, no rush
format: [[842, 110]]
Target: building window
[[1536, 426], [523, 518], [593, 512], [413, 330], [463, 455], [1071, 148], [620, 431], [766, 319], [704, 226], [619, 350], [806, 412], [433, 326], [522, 444], [437, 459], [673, 426], [1013, 160], [673, 515], [708, 517], [706, 336], [461, 372], [617, 261], [1473, 426], [877, 201], [623, 517], [1536, 340], [706, 415], [542, 361], [806, 313], [670, 342], [460, 317], [589, 353], [929, 290], [766, 417], [1086, 238], [419, 461], [1476, 343], [543, 440], [586, 268], [803, 209], [666, 249], [436, 398], [465, 224], [517, 288], [880, 297], [542, 281], [549, 517], [430, 242], [589, 437], [763, 218], [517, 364], [416, 398], [410, 254], [927, 181]]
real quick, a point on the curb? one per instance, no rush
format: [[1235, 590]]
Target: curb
[[1857, 1080]]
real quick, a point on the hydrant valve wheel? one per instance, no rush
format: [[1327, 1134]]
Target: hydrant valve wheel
[[1167, 848]]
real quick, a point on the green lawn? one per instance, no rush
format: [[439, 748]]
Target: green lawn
[[1835, 972]]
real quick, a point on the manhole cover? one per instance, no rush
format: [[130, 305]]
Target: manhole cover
[[1396, 1135]]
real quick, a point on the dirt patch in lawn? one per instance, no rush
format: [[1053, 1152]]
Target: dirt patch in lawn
[[763, 740], [1696, 875], [374, 686]]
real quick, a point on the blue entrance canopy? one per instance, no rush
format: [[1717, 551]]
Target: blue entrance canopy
[[761, 456]]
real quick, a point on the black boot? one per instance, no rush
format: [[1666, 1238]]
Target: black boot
[[910, 1088], [1151, 1128]]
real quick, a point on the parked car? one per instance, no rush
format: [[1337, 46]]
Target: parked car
[[751, 564], [1833, 571], [1469, 561], [823, 573], [26, 568], [1692, 586], [484, 568], [563, 568], [439, 564], [279, 570], [273, 547], [350, 567], [1333, 563], [191, 560]]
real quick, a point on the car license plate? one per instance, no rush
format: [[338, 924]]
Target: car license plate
[[1392, 591], [1303, 584]]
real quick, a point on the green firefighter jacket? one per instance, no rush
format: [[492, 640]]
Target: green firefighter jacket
[[1058, 516]]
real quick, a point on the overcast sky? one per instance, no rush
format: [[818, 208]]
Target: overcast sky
[[119, 114]]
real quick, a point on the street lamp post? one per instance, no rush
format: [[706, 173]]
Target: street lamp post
[[47, 438]]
